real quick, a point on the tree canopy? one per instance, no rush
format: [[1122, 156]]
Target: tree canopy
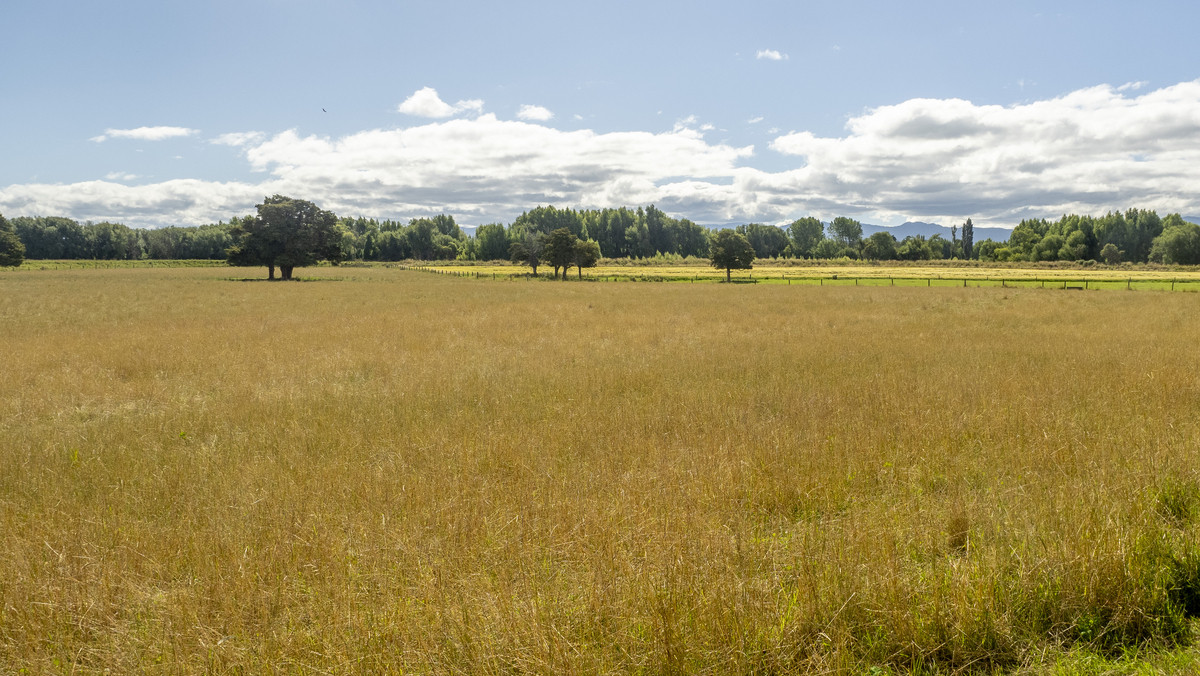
[[1179, 244], [587, 254], [731, 250], [12, 251], [528, 250], [287, 232], [880, 246], [846, 231], [805, 233], [768, 241], [558, 250]]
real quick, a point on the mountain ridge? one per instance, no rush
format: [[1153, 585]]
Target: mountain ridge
[[927, 230]]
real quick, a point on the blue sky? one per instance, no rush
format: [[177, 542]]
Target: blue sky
[[160, 113]]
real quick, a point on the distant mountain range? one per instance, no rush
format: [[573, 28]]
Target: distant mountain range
[[930, 229]]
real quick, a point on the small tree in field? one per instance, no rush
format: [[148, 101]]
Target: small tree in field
[[587, 254], [288, 233], [1111, 254], [528, 251], [732, 251], [559, 250]]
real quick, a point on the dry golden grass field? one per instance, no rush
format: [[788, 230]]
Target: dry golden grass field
[[389, 471]]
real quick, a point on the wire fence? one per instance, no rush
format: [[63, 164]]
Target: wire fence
[[1061, 283]]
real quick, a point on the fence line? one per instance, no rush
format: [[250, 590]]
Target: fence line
[[1087, 284]]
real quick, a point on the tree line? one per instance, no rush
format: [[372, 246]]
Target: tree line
[[1134, 236], [57, 238], [1137, 236], [619, 233]]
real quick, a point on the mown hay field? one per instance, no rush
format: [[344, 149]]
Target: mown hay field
[[828, 273], [389, 471]]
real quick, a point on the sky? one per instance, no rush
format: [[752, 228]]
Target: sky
[[163, 112]]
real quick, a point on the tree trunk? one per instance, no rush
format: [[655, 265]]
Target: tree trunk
[[271, 273], [580, 271], [727, 275], [285, 271]]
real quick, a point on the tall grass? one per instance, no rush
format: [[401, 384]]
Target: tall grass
[[402, 472]]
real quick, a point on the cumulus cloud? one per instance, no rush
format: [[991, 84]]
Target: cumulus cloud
[[770, 55], [425, 102], [145, 133], [1088, 151], [177, 202], [488, 166], [534, 113], [477, 168], [924, 159]]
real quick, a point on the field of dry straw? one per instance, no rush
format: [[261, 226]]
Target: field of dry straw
[[383, 471]]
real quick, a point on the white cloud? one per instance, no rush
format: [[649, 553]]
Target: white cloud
[[691, 125], [755, 120], [926, 159], [145, 133], [488, 166], [477, 168], [1086, 152], [770, 55], [178, 202], [534, 113], [120, 176], [238, 139], [425, 102]]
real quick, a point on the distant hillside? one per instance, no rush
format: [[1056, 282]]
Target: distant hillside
[[930, 229]]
